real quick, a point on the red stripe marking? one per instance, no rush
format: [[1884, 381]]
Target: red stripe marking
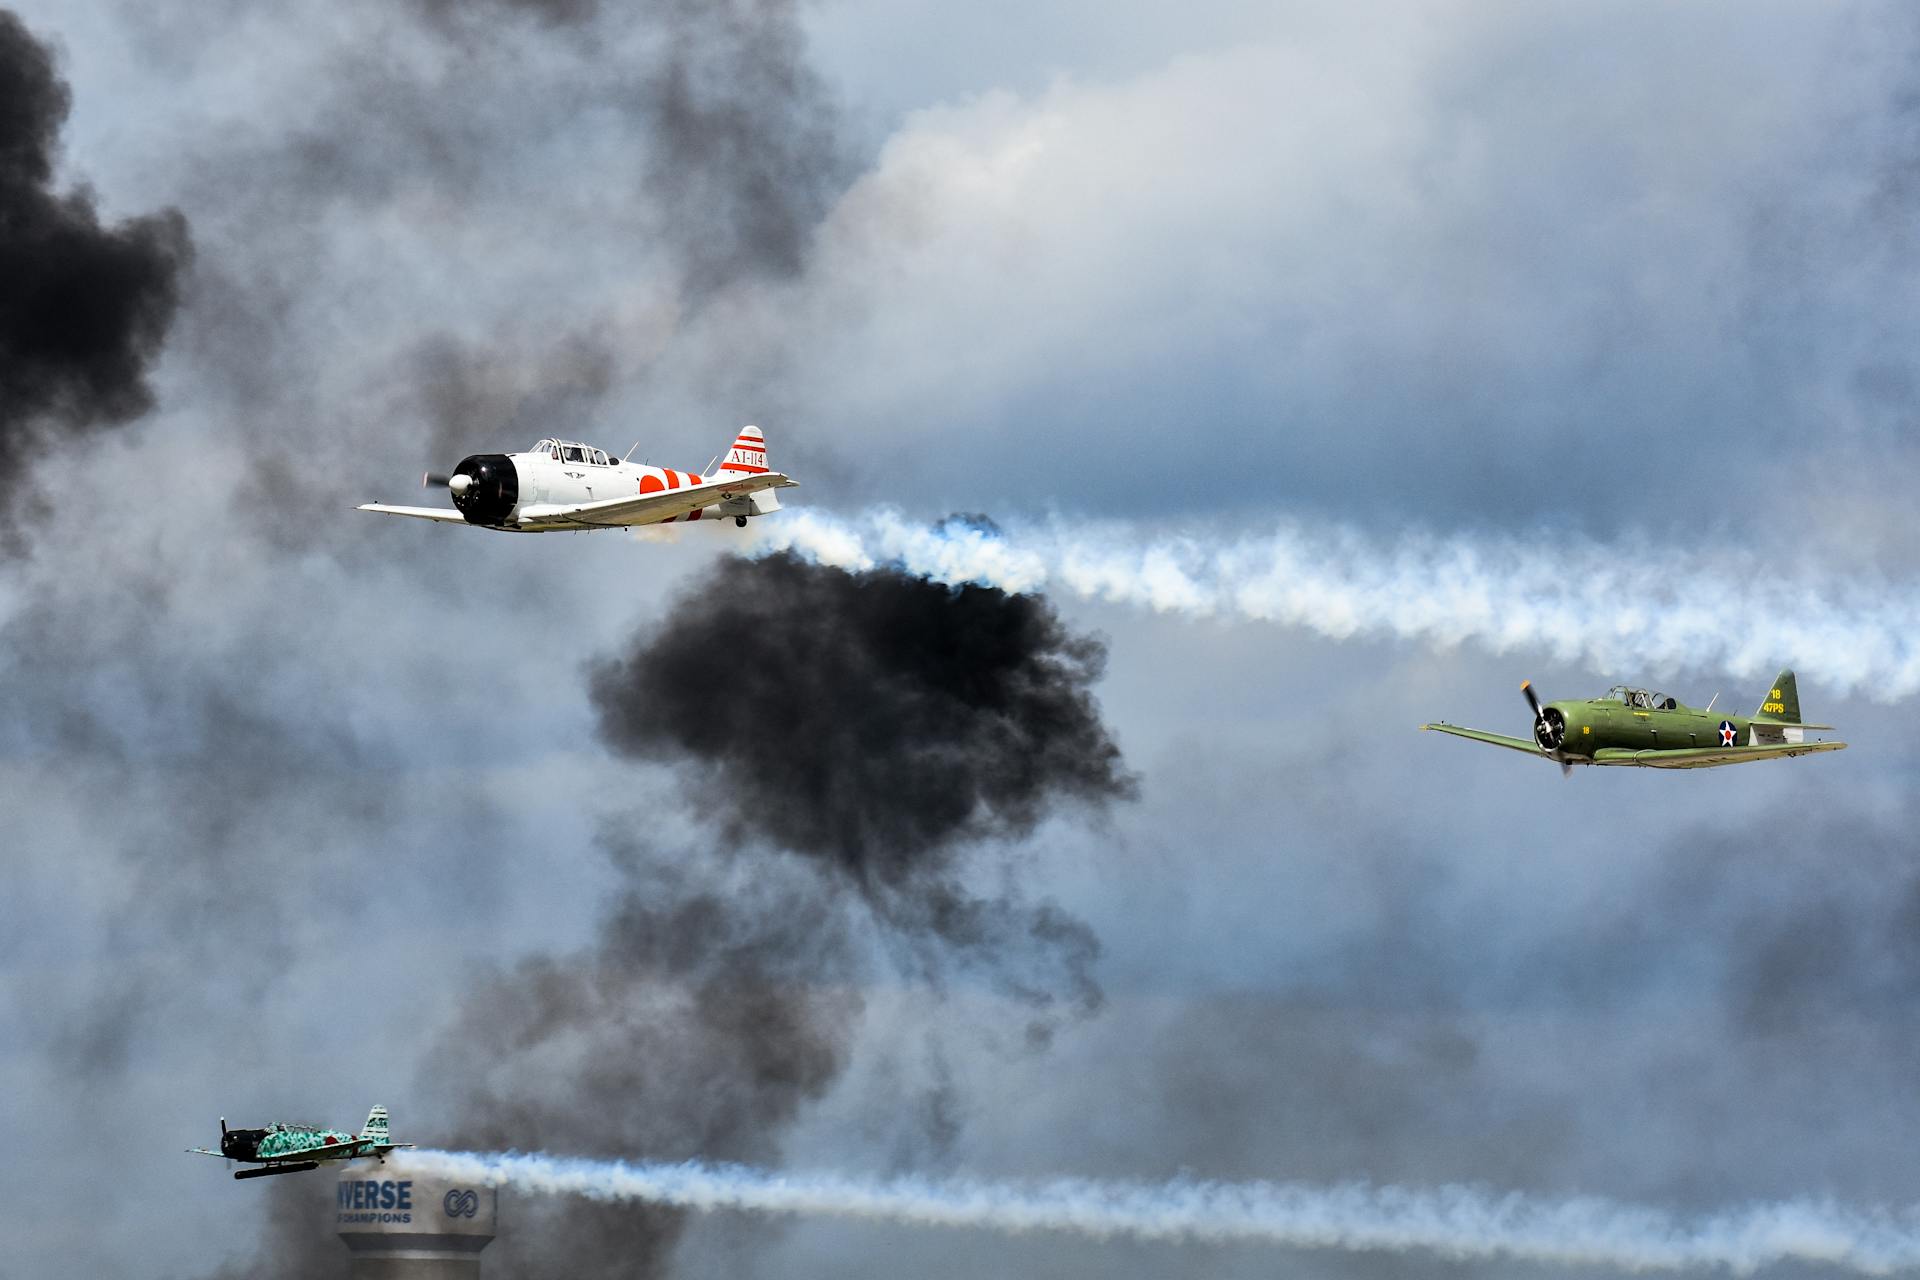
[[673, 479], [741, 466], [652, 484], [696, 513]]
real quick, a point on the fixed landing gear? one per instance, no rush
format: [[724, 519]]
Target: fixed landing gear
[[741, 521]]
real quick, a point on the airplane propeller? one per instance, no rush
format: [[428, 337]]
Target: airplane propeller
[[458, 484], [1549, 727]]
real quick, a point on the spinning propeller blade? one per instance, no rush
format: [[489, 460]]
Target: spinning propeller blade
[[1549, 728], [435, 480]]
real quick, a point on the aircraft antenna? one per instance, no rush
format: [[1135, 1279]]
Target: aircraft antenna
[[1715, 698], [629, 453], [711, 465]]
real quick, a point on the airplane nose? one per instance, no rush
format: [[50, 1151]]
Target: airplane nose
[[486, 488]]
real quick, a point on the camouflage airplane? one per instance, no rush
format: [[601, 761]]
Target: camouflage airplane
[[293, 1148], [1640, 727]]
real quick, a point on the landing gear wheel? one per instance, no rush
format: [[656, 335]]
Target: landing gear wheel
[[741, 521]]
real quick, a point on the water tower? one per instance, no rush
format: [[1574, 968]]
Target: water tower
[[404, 1227]]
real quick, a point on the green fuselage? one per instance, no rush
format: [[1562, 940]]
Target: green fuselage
[[1597, 723]]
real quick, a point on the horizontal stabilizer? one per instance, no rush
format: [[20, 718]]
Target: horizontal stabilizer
[[300, 1166]]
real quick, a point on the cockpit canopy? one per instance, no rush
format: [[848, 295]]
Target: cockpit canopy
[[1640, 699], [573, 451]]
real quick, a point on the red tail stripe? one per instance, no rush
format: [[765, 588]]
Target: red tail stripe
[[741, 466]]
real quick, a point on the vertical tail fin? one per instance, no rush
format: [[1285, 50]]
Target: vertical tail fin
[[376, 1125], [1782, 702], [747, 455]]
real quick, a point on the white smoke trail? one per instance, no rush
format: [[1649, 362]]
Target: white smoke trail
[[1454, 1222], [1650, 612]]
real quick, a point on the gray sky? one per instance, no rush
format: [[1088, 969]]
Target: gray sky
[[289, 786]]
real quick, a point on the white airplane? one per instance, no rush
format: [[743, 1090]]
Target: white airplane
[[563, 484]]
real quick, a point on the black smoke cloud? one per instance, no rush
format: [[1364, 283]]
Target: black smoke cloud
[[85, 307], [873, 720]]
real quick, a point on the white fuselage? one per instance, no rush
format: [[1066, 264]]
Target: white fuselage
[[544, 482], [547, 483]]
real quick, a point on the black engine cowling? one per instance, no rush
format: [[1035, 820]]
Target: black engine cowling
[[1550, 730], [241, 1144], [494, 491]]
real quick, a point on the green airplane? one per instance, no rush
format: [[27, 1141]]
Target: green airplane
[[1640, 727], [295, 1148]]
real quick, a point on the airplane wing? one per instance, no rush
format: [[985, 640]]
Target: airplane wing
[[1498, 740], [646, 508], [1708, 757], [447, 514]]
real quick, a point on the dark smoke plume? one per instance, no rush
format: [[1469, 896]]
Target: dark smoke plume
[[852, 734], [698, 1025], [743, 156], [83, 307], [872, 720]]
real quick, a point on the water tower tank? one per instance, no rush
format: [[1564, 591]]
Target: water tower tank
[[404, 1227]]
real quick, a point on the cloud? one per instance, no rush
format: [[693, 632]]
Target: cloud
[[739, 133], [1385, 266]]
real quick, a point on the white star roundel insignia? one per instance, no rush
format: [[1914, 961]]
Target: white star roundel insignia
[[1727, 734]]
